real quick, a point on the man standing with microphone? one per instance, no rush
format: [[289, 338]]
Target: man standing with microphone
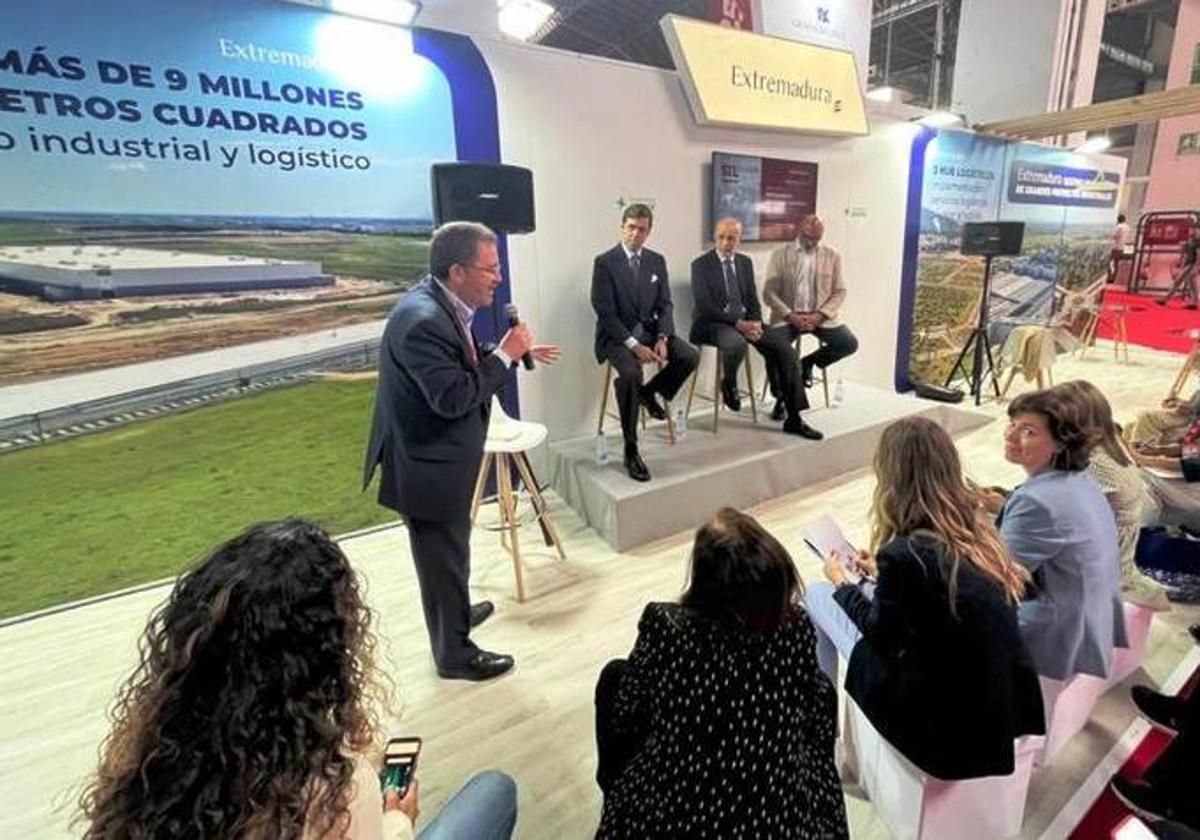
[[435, 391]]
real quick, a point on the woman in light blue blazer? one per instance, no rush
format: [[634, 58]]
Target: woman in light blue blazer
[[1059, 526]]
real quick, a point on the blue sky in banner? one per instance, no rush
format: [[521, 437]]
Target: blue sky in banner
[[299, 112], [962, 182]]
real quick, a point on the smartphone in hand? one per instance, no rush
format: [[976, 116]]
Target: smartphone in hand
[[400, 763]]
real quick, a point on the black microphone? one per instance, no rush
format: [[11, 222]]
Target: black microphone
[[513, 320]]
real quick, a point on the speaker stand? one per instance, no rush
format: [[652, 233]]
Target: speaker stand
[[978, 342]]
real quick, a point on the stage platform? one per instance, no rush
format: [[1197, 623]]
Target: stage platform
[[741, 466]]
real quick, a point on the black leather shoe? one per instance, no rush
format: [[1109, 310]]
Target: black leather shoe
[[797, 426], [1143, 799], [1195, 631], [636, 467], [1162, 710], [731, 398], [653, 407], [481, 612], [779, 411], [484, 665], [806, 369]]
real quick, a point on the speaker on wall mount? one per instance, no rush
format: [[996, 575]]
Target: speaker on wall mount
[[992, 239], [493, 194]]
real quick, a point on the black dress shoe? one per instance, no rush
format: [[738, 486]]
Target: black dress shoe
[[806, 369], [481, 612], [797, 426], [482, 666], [731, 398], [653, 407], [1195, 631], [1144, 799], [779, 411], [636, 467], [1162, 710]]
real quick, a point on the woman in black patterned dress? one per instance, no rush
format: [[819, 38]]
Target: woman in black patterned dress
[[720, 723]]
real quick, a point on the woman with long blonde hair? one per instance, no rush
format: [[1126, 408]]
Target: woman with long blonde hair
[[930, 631], [1114, 469]]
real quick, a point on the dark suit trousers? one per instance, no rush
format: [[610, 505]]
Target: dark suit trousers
[[681, 361], [613, 749], [778, 354], [442, 553]]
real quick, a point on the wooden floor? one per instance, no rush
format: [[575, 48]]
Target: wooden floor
[[59, 671]]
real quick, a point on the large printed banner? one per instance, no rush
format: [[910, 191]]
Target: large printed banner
[[1068, 204], [260, 169], [221, 107]]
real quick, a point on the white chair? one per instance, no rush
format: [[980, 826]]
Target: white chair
[[507, 442], [1127, 660], [1068, 705], [915, 805]]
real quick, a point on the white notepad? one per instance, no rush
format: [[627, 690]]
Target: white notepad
[[824, 537]]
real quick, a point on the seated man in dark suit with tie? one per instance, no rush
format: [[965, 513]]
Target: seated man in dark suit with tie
[[635, 326], [728, 316]]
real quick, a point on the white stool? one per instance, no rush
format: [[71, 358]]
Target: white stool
[[915, 805], [507, 442], [1068, 705], [1127, 660]]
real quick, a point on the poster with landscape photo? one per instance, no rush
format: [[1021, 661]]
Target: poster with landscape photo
[[1068, 204], [232, 174]]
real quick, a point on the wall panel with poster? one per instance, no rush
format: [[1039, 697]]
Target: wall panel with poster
[[275, 154], [1068, 204], [183, 180], [768, 196]]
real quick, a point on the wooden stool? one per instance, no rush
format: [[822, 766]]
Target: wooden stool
[[1190, 365], [1115, 315], [604, 412], [716, 394], [507, 442], [819, 374]]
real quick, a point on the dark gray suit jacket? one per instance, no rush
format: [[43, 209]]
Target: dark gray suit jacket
[[626, 305], [431, 410], [708, 290]]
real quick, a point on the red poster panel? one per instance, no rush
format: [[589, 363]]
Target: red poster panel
[[1168, 231], [788, 193], [733, 13]]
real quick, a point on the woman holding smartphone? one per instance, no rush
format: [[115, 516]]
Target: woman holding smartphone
[[253, 708], [935, 658]]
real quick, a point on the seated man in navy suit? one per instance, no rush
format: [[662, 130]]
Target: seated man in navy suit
[[728, 316], [635, 326]]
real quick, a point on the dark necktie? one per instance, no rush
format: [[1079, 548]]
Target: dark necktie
[[472, 353], [635, 263], [730, 279]]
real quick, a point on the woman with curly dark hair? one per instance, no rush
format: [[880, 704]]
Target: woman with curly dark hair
[[254, 705]]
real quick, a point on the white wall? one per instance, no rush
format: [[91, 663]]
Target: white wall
[[1005, 62], [594, 131]]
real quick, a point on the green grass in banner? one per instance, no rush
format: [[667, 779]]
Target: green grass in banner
[[142, 502]]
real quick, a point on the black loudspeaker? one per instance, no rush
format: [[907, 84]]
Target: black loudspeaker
[[992, 239], [493, 194]]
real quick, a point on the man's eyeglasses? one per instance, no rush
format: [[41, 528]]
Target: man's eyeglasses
[[493, 270]]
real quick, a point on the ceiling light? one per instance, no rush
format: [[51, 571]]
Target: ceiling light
[[523, 18], [1099, 143], [882, 94], [941, 119], [403, 12]]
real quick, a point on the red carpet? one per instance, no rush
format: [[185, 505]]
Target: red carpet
[[1108, 812], [1151, 325]]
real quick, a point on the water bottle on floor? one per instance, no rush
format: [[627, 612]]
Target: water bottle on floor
[[603, 456], [680, 423], [839, 392]]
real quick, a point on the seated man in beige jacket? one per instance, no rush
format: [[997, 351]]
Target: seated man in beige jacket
[[804, 291]]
